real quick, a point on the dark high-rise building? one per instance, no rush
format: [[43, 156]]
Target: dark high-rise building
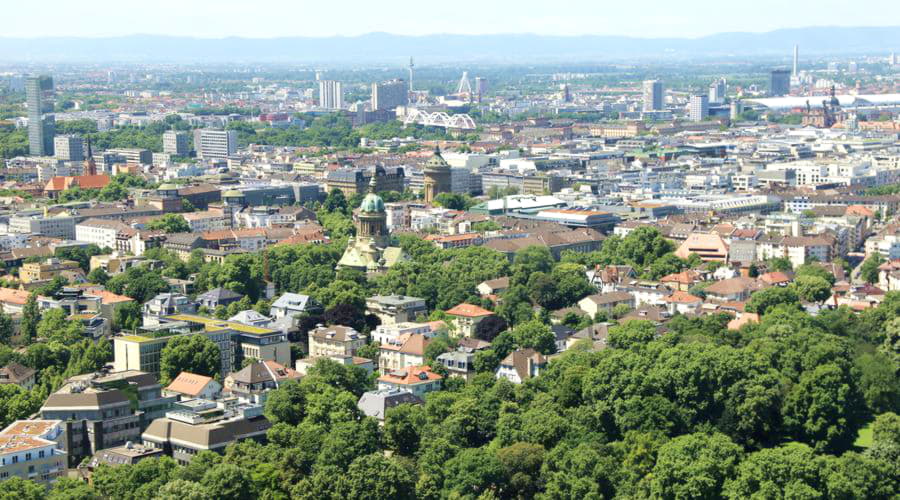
[[386, 96], [780, 82], [41, 128]]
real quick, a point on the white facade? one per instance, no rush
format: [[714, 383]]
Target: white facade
[[215, 144], [331, 94], [101, 235], [699, 108]]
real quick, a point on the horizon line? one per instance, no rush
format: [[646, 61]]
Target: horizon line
[[370, 33]]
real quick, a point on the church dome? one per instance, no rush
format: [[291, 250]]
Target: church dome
[[372, 204]]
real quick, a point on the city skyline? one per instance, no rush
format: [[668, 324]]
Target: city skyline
[[229, 18]]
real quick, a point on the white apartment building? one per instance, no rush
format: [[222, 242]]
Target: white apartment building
[[100, 232], [386, 333], [215, 144], [54, 227]]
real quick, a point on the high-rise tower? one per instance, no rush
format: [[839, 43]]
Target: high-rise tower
[[653, 95], [796, 60], [41, 128]]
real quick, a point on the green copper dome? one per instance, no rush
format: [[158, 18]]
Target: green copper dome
[[372, 204]]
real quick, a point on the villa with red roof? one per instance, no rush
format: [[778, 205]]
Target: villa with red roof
[[465, 318]]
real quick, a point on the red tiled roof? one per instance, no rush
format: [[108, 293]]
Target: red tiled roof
[[13, 296], [411, 375], [468, 310]]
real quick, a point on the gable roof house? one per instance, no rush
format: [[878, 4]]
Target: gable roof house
[[520, 365]]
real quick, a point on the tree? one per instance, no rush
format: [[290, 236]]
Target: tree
[[789, 471], [55, 326], [7, 329], [170, 223], [823, 409], [869, 269], [781, 264], [30, 318], [66, 488], [375, 477], [529, 260], [535, 335], [878, 382], [21, 489], [694, 466], [180, 489], [817, 270], [474, 471], [336, 202], [764, 300], [620, 310], [812, 288], [403, 425], [127, 316], [632, 334], [522, 465], [189, 353], [490, 327], [286, 404], [454, 201], [228, 482], [140, 283], [98, 276]]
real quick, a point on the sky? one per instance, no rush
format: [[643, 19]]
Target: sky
[[275, 18]]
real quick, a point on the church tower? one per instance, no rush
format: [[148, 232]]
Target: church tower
[[373, 218], [90, 166], [437, 176]]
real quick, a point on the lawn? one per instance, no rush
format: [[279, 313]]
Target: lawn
[[864, 439]]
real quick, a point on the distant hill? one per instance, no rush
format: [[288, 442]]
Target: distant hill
[[383, 47]]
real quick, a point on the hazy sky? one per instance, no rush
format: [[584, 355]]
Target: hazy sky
[[271, 18]]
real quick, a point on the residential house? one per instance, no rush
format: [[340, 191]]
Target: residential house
[[521, 365], [12, 300], [681, 302], [392, 309], [607, 278], [418, 380], [40, 272], [292, 304], [493, 287], [302, 366], [254, 381], [325, 341], [129, 454], [167, 304], [597, 334], [218, 297], [605, 302], [16, 374], [33, 450], [386, 333], [376, 403], [682, 281], [192, 386], [402, 352], [732, 290], [465, 318]]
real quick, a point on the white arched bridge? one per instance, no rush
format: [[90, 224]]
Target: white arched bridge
[[439, 119]]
